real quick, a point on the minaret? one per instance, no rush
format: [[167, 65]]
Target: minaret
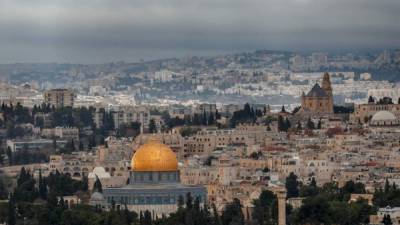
[[326, 84]]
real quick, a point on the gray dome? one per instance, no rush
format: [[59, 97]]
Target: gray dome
[[97, 196], [383, 115], [384, 118]]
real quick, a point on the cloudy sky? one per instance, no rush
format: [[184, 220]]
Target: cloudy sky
[[95, 31]]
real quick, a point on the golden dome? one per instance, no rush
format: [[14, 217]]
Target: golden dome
[[154, 156]]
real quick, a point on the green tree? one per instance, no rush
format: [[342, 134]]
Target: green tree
[[292, 186], [12, 214], [84, 184], [42, 186], [281, 124], [216, 219], [152, 126], [371, 99], [313, 182], [387, 220], [3, 189], [314, 211], [26, 189], [9, 155], [81, 147], [350, 187], [310, 124], [232, 214], [180, 202], [211, 119], [288, 124], [387, 186], [97, 187], [266, 208], [299, 127], [147, 218], [189, 200]]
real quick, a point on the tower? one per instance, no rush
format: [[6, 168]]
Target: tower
[[326, 84], [281, 195], [319, 99]]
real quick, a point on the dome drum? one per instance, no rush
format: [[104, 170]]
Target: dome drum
[[155, 177], [154, 183]]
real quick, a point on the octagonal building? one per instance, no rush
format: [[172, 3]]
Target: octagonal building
[[154, 183]]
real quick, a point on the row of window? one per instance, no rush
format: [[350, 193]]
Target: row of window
[[141, 200], [150, 176]]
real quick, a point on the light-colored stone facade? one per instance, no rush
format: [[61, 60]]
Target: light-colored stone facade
[[59, 97], [320, 99]]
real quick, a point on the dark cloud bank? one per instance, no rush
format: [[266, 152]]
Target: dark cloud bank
[[95, 31]]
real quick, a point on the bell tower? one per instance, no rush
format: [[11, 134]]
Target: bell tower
[[326, 84]]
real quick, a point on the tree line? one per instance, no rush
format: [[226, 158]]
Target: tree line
[[328, 204]]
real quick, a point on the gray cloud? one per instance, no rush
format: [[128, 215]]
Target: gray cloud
[[100, 31]]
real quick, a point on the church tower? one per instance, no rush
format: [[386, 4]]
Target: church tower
[[319, 99], [326, 84]]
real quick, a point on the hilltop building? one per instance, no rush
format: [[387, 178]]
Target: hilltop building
[[319, 99], [59, 97]]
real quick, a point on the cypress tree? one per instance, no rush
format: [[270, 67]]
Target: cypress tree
[[292, 186], [287, 124], [97, 187], [147, 218], [42, 186], [216, 218], [299, 127], [73, 145], [12, 215], [283, 110], [281, 123], [313, 182], [180, 202], [371, 99], [310, 124], [85, 183], [81, 146], [152, 126], [387, 220], [189, 201], [387, 186]]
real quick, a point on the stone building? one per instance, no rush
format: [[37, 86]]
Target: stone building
[[319, 100], [76, 165], [65, 133], [384, 118], [59, 97], [363, 113]]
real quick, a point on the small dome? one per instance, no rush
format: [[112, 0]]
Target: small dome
[[100, 172], [384, 118], [97, 196], [154, 156], [383, 115]]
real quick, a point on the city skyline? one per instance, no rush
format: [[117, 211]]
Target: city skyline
[[227, 112]]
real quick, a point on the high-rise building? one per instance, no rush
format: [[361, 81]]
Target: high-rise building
[[59, 97]]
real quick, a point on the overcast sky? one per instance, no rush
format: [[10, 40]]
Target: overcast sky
[[95, 31]]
